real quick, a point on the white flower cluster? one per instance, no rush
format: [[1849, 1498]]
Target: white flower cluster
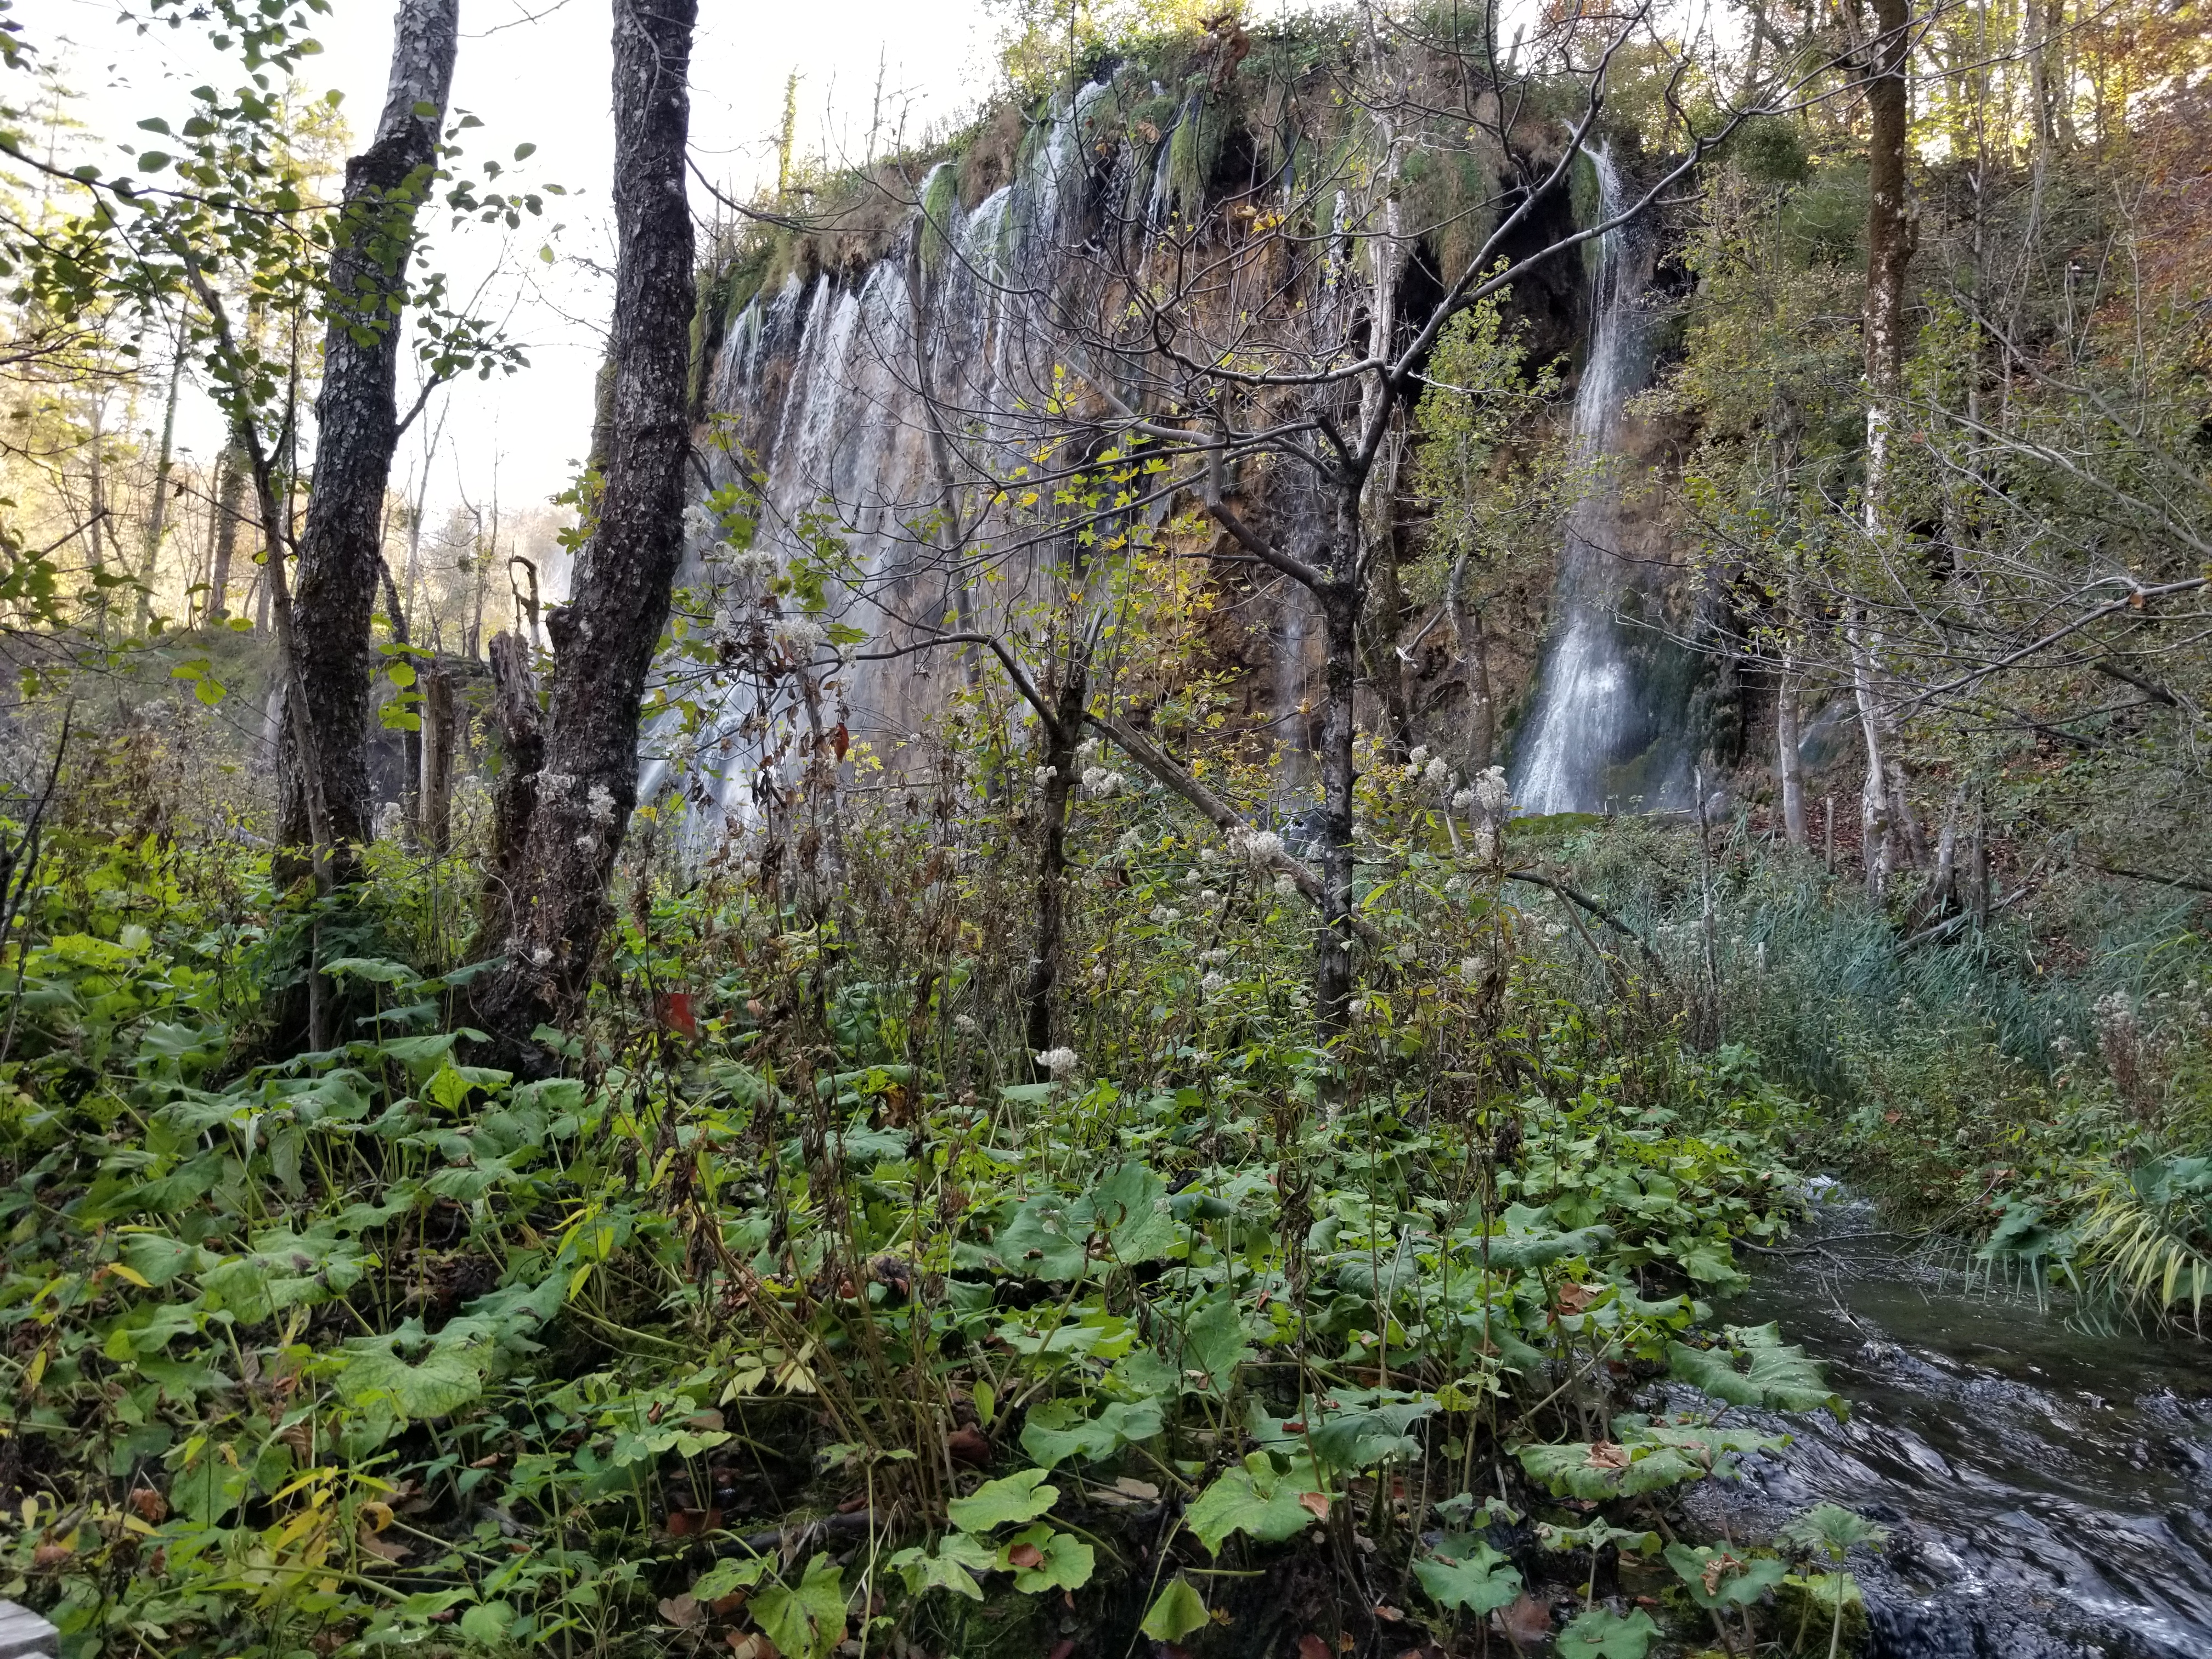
[[391, 819], [1211, 984], [1258, 846], [1128, 841], [751, 564], [1219, 953], [1435, 775], [1044, 774], [797, 636], [1470, 970], [1492, 793], [1166, 914], [964, 1023], [1285, 885], [1101, 784], [1060, 1062], [701, 522], [600, 805]]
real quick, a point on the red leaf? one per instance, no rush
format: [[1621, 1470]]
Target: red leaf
[[1317, 1502], [1026, 1555], [1312, 1647], [841, 739], [676, 1014]]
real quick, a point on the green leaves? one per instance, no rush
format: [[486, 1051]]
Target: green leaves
[[1647, 1457], [1175, 1612], [807, 1620], [447, 1378], [1125, 1219], [1468, 1576], [1715, 1577], [1042, 1559], [952, 1566], [1600, 1634], [1834, 1530], [199, 674], [1757, 1369], [1259, 1501], [1055, 1431], [1214, 1343], [1022, 1497]]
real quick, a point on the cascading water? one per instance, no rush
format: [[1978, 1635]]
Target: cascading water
[[1609, 728], [834, 380]]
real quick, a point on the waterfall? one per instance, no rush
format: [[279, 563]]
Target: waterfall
[[1608, 729], [820, 376]]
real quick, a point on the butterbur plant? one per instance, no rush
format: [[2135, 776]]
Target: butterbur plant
[[1827, 1534]]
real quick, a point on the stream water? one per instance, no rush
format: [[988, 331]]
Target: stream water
[[2049, 1492]]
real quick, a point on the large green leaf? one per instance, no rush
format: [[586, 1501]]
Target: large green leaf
[[1479, 1582], [1126, 1216], [1048, 1238], [1063, 1562], [1758, 1368], [442, 1381], [806, 1620], [1214, 1343], [953, 1566], [1177, 1611], [1258, 1500], [1647, 1457], [1718, 1578], [1131, 1205], [1054, 1432], [1018, 1497], [1598, 1634]]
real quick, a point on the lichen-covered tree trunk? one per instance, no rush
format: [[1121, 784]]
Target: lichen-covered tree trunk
[[1889, 250], [357, 422], [1339, 609], [230, 507], [1046, 965], [604, 641]]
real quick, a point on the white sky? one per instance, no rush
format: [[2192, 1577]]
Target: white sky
[[536, 71]]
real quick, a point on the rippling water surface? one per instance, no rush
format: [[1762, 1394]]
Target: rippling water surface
[[2049, 1490]]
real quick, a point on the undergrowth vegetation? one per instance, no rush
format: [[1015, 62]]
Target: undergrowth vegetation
[[805, 1311], [809, 1308]]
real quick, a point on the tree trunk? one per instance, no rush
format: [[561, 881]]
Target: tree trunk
[[411, 742], [439, 725], [229, 499], [522, 739], [1339, 609], [1789, 764], [604, 645], [1471, 640], [157, 512], [341, 552], [1052, 856], [1889, 249]]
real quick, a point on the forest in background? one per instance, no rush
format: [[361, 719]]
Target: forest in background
[[819, 1062]]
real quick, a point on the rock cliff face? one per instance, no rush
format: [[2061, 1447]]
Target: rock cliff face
[[873, 364]]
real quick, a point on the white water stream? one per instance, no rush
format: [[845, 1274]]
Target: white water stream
[[1596, 738]]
